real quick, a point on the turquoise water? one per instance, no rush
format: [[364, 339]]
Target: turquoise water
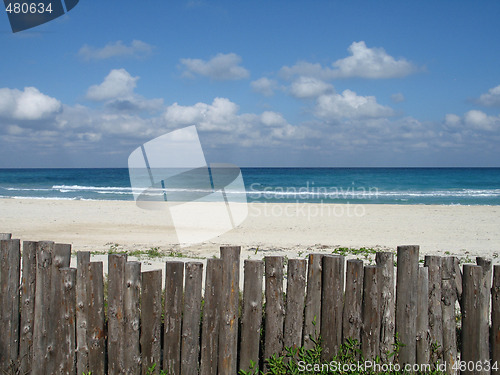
[[463, 186]]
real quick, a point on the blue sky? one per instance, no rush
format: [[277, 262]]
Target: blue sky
[[268, 83]]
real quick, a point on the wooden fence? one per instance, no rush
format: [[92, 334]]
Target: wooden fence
[[60, 320]]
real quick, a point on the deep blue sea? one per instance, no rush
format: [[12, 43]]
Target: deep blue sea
[[448, 186]]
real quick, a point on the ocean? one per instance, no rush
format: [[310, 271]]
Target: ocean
[[445, 186]]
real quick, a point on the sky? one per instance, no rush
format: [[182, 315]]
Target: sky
[[267, 83]]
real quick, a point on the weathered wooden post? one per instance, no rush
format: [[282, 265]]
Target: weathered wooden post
[[82, 350], [352, 321], [484, 308], [385, 260], [96, 339], [174, 291], [10, 272], [28, 283], [332, 303], [252, 314], [495, 318], [370, 332], [211, 317], [228, 330], [406, 302], [449, 299], [433, 264], [312, 314], [116, 284], [423, 342], [42, 349], [472, 334], [151, 311], [50, 259], [295, 298], [190, 349], [275, 306], [66, 340], [131, 307], [61, 258]]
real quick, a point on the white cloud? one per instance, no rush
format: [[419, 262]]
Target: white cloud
[[491, 98], [29, 104], [364, 62], [117, 90], [136, 48], [79, 136], [289, 132], [481, 121], [118, 84], [219, 115], [367, 62], [270, 118], [221, 123], [221, 67], [309, 87], [37, 120], [185, 115], [351, 106], [265, 86], [472, 120], [85, 126]]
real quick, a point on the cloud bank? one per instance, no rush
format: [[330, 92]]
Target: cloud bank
[[363, 62], [136, 49], [221, 67]]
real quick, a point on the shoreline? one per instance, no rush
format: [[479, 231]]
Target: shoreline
[[305, 201]]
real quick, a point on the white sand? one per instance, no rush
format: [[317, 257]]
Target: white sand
[[277, 228]]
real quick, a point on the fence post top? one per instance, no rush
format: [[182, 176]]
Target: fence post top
[[354, 261], [194, 264], [408, 247], [117, 256], [150, 272], [13, 240], [470, 266], [230, 248]]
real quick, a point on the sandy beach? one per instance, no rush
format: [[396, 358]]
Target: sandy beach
[[270, 228]]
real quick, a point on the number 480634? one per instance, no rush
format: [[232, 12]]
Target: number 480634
[[28, 8], [475, 366]]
